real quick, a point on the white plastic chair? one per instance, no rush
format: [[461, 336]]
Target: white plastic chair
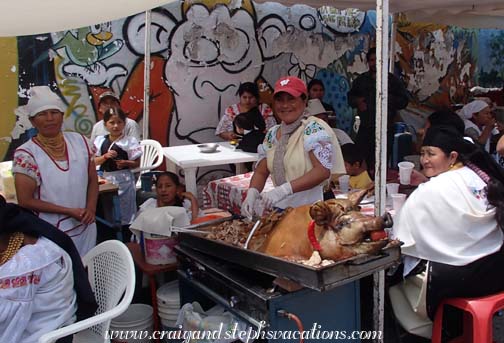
[[111, 272], [152, 156]]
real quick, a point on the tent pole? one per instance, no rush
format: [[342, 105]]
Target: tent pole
[[393, 36], [382, 31], [145, 131]]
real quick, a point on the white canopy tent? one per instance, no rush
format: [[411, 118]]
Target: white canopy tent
[[26, 17]]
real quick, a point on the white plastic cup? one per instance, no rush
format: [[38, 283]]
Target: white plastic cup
[[392, 188], [398, 200], [405, 170], [344, 183]]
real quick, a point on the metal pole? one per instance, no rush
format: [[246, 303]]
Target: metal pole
[[147, 69], [393, 35], [382, 30]]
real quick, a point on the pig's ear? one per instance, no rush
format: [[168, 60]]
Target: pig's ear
[[162, 24], [269, 29]]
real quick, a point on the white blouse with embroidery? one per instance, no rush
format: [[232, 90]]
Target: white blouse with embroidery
[[127, 143], [36, 292], [24, 163], [316, 139]]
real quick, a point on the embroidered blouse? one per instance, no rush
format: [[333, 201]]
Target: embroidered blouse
[[24, 163], [316, 139]]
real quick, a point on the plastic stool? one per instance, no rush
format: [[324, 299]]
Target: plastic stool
[[478, 317]]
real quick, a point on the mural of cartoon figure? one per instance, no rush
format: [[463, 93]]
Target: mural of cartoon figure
[[211, 53], [213, 50], [86, 48]]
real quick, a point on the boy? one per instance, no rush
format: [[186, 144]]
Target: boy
[[250, 126], [355, 167]]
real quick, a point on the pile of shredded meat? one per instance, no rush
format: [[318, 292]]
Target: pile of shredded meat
[[234, 232]]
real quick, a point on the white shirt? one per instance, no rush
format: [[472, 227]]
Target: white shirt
[[447, 220], [36, 292], [131, 129]]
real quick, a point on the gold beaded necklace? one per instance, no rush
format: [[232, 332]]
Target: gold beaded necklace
[[15, 242], [54, 146]]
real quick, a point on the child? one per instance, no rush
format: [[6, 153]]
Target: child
[[117, 155], [355, 167], [169, 193], [251, 127]]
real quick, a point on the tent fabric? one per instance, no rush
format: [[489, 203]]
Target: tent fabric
[[28, 17]]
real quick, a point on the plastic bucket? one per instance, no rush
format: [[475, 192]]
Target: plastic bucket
[[159, 249], [138, 317]]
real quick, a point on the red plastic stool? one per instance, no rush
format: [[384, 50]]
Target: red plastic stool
[[478, 317]]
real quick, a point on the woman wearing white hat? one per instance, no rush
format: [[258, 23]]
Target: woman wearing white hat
[[55, 173], [479, 122]]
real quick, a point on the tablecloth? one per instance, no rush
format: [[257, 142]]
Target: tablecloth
[[230, 192]]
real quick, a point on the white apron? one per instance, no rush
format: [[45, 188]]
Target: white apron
[[125, 180], [66, 187]]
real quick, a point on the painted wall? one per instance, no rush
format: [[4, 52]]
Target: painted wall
[[202, 52]]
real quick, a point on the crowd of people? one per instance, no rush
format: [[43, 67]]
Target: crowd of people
[[451, 225]]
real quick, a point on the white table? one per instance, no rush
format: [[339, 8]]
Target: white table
[[189, 158]]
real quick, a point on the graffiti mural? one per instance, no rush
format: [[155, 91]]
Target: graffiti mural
[[201, 51]]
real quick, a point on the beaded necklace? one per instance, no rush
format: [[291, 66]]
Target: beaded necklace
[[15, 242], [54, 146]]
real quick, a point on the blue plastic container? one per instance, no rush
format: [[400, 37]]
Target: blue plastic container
[[147, 181]]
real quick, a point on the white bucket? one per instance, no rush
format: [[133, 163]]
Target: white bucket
[[159, 249], [138, 317]]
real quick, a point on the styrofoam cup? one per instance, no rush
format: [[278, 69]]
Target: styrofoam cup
[[344, 184], [405, 170], [392, 188], [398, 200]]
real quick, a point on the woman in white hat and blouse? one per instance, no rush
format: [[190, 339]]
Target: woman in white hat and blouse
[[54, 172], [479, 122]]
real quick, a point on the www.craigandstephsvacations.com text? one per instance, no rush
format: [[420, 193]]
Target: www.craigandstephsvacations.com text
[[234, 333]]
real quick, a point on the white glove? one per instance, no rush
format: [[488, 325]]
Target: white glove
[[276, 195], [247, 209]]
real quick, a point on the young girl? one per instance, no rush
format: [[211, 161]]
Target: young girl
[[117, 155], [169, 193]]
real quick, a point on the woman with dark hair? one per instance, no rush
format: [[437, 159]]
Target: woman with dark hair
[[170, 192], [300, 154], [451, 227], [117, 155], [43, 284], [316, 90], [249, 99]]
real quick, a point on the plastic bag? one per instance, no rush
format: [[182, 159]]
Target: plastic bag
[[212, 326]]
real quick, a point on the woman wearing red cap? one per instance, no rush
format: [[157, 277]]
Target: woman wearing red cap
[[300, 154]]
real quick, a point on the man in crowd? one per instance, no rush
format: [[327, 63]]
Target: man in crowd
[[362, 96], [108, 100]]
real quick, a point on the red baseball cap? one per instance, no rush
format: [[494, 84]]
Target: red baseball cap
[[292, 85]]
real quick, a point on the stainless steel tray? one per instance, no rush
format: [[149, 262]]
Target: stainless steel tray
[[317, 278]]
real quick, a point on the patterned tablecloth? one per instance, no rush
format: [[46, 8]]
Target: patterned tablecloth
[[230, 192]]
